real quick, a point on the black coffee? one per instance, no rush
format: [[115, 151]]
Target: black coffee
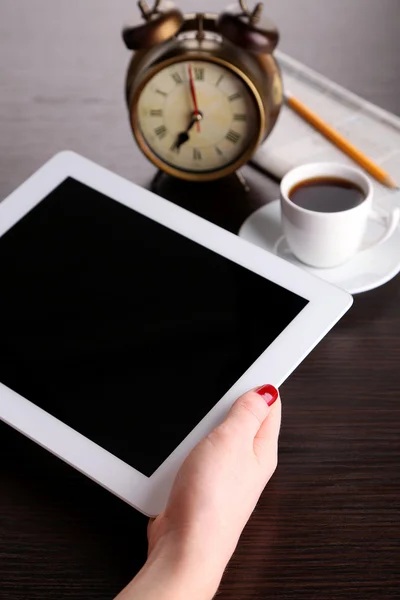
[[326, 194]]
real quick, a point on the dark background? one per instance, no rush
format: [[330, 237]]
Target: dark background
[[328, 525]]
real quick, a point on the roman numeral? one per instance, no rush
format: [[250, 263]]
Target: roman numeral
[[219, 80], [234, 97], [161, 132], [156, 112], [196, 154], [218, 151], [199, 73], [176, 77], [233, 136], [240, 117], [161, 93]]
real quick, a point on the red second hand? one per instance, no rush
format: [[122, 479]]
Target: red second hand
[[194, 97]]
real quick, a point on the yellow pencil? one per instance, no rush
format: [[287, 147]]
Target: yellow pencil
[[341, 142]]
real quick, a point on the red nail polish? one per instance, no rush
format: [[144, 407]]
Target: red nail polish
[[269, 393]]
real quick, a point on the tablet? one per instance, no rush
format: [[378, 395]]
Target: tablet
[[129, 325]]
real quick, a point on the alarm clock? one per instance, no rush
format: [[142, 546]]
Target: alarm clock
[[203, 90]]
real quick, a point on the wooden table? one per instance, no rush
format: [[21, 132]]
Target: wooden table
[[328, 525]]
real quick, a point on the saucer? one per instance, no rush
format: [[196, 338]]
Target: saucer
[[367, 270]]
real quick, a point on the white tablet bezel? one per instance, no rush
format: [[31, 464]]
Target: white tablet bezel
[[326, 305]]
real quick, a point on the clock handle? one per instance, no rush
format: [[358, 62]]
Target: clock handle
[[248, 29], [254, 15], [147, 12]]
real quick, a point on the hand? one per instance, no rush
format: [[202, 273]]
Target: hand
[[213, 496], [220, 482]]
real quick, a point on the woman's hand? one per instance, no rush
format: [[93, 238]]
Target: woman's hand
[[213, 496]]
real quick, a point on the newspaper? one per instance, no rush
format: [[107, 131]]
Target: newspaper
[[373, 130]]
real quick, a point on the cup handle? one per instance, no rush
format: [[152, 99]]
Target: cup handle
[[390, 220]]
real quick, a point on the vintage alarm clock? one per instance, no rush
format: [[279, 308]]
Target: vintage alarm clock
[[203, 90]]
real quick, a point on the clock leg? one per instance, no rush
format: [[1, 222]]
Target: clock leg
[[158, 176], [156, 180], [243, 181]]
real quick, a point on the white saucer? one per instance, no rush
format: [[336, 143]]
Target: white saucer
[[367, 270]]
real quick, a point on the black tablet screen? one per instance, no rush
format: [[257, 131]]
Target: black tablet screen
[[123, 329]]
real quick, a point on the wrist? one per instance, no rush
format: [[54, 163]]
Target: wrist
[[174, 572]]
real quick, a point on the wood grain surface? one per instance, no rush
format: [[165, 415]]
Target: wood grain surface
[[328, 525]]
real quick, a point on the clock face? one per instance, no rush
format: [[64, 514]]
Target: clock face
[[198, 116]]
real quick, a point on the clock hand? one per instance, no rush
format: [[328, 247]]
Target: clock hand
[[194, 96], [183, 137]]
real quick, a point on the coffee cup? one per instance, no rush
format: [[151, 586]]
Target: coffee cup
[[324, 228]]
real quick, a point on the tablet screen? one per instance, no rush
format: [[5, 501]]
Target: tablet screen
[[123, 329]]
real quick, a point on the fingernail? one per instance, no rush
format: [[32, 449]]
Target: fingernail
[[269, 394]]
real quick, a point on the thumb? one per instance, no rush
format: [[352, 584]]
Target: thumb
[[251, 410]]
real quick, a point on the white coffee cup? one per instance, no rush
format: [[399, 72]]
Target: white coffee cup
[[329, 239]]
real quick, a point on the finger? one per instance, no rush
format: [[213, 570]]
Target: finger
[[266, 439], [149, 524], [250, 411]]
